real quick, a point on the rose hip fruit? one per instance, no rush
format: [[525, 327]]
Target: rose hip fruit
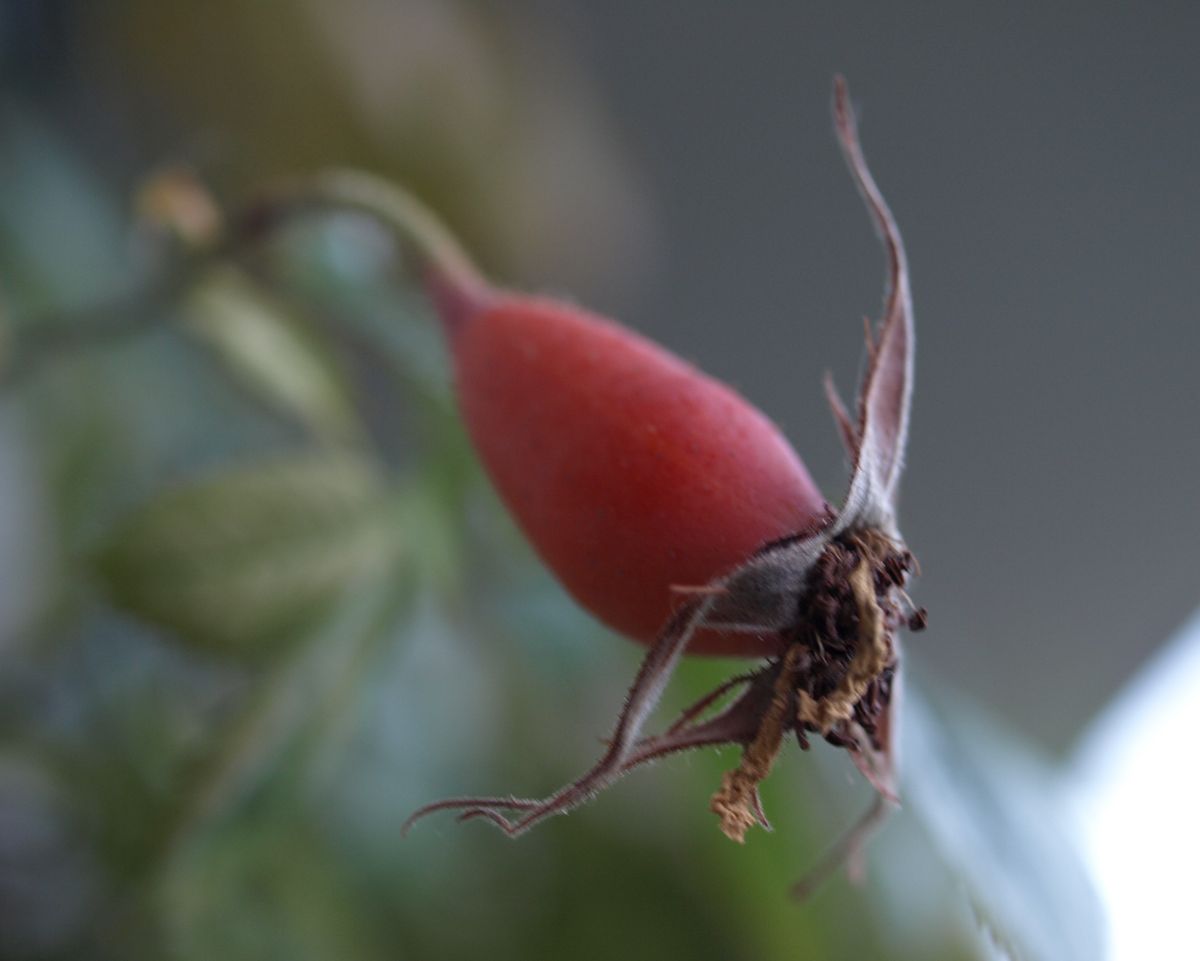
[[628, 469], [679, 515]]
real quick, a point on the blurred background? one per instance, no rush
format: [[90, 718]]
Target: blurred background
[[257, 602]]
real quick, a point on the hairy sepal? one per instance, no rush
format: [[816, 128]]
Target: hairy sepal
[[885, 396], [764, 593]]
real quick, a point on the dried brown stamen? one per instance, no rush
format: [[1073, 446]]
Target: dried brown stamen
[[736, 802], [872, 653]]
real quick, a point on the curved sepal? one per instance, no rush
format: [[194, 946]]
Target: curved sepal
[[886, 393]]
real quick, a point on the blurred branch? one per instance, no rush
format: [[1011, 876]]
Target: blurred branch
[[40, 339]]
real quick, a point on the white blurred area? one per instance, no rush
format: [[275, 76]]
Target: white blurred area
[[1137, 796]]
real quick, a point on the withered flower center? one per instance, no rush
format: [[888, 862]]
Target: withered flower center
[[835, 676]]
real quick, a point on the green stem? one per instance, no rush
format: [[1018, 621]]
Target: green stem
[[451, 279]]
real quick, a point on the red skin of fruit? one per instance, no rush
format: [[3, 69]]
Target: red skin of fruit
[[629, 470]]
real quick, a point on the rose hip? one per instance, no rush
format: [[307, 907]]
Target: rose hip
[[628, 469], [679, 515]]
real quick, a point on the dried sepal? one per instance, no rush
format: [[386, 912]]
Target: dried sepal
[[736, 724], [764, 593], [847, 428], [644, 695], [885, 396]]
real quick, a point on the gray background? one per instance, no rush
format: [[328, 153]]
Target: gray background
[[1043, 163]]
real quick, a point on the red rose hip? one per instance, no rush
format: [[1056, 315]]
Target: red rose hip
[[679, 515], [629, 470]]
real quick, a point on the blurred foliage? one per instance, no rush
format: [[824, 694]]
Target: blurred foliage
[[241, 560], [256, 602]]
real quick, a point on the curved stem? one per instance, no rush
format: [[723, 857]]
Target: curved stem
[[450, 278]]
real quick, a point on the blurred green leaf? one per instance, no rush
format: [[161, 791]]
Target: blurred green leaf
[[272, 353], [62, 233], [995, 812], [245, 559]]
